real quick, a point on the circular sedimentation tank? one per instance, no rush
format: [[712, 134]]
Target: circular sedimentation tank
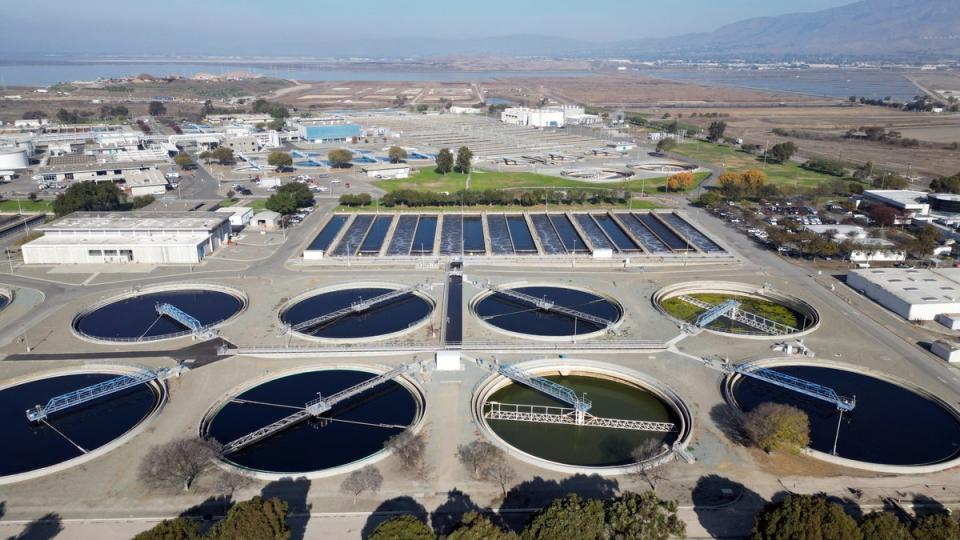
[[383, 320], [132, 316], [350, 435], [615, 393], [894, 426], [521, 318], [73, 435], [684, 302]]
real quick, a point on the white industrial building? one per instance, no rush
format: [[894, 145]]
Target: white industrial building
[[538, 118], [240, 216], [386, 170], [910, 203], [914, 294], [88, 169], [129, 238]]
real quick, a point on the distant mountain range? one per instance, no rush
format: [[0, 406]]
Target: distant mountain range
[[888, 29], [869, 29]]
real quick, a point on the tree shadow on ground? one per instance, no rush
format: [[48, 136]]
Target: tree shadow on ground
[[730, 424], [448, 515], [924, 505], [294, 491], [209, 511], [42, 528], [538, 492], [724, 507], [392, 508]]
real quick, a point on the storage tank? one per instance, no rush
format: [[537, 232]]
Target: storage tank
[[13, 158]]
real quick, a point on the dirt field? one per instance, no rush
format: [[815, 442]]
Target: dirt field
[[756, 126]]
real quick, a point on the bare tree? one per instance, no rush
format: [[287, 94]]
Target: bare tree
[[410, 448], [650, 473], [499, 472], [366, 479], [228, 482], [178, 463], [475, 454]]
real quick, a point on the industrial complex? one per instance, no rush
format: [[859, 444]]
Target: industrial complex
[[301, 338]]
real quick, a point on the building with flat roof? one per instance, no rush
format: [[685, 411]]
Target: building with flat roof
[[912, 203], [539, 118], [914, 294], [386, 170], [328, 132], [129, 237], [240, 216], [92, 171]]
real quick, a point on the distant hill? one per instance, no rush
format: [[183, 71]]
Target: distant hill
[[866, 29]]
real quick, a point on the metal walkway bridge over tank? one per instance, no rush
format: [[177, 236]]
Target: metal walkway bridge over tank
[[545, 304], [189, 321], [86, 394], [358, 306], [578, 415], [314, 408], [731, 310], [796, 384]]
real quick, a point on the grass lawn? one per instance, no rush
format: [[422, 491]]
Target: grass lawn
[[226, 203], [734, 160], [429, 180], [257, 204], [27, 205], [637, 205]]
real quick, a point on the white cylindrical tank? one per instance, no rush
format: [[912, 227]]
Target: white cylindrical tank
[[13, 158]]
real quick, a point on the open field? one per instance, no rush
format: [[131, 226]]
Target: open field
[[429, 179], [735, 160]]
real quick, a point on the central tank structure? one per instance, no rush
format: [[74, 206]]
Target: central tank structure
[[132, 316], [74, 435], [356, 313], [614, 393], [895, 426], [546, 311], [350, 435]]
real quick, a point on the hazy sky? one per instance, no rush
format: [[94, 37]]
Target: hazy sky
[[289, 26]]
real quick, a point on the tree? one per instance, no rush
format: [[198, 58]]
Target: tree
[[157, 109], [568, 516], [206, 156], [34, 115], [402, 528], [340, 158], [181, 528], [276, 124], [256, 519], [883, 215], [936, 527], [883, 526], [178, 463], [774, 426], [499, 472], [464, 159], [782, 152], [681, 181], [476, 526], [366, 479], [647, 450], [223, 154], [409, 449], [183, 160], [753, 181], [474, 454], [143, 201], [280, 160], [89, 197], [68, 117], [397, 154], [804, 516], [444, 161], [643, 516], [282, 203], [716, 130], [666, 144]]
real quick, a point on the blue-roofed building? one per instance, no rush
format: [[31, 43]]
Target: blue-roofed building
[[330, 133]]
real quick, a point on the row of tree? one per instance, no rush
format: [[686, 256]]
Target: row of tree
[[499, 197]]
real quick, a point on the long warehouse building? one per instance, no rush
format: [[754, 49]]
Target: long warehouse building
[[129, 237]]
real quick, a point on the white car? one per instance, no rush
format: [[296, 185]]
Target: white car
[[172, 175], [334, 181]]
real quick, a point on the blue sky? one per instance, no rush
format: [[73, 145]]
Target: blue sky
[[278, 26]]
